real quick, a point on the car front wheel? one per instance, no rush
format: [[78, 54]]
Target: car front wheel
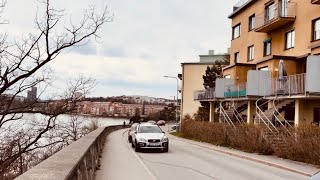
[[136, 147], [130, 139], [166, 149]]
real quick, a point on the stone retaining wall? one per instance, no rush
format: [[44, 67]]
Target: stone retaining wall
[[78, 161]]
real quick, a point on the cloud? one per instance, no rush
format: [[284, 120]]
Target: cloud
[[146, 40]]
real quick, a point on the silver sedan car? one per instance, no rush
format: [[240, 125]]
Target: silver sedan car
[[149, 136]]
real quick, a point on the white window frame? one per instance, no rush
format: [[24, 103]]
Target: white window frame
[[290, 39], [236, 31], [251, 53]]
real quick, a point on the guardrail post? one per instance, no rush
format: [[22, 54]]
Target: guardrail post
[[289, 85]]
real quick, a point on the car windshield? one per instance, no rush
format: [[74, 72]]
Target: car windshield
[[149, 129]]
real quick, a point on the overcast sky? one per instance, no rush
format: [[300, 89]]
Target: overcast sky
[[146, 40]]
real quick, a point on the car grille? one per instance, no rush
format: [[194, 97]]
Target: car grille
[[154, 140]]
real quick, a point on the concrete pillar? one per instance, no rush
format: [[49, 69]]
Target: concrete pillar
[[270, 104], [251, 111], [212, 110], [298, 112]]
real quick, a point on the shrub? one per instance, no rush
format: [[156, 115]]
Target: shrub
[[246, 138], [302, 145]]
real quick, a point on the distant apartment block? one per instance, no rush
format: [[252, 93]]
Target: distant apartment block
[[32, 94], [117, 109]]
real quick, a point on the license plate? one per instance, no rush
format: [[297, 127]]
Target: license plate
[[154, 144]]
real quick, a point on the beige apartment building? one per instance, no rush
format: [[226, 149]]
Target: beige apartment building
[[192, 80], [274, 73]]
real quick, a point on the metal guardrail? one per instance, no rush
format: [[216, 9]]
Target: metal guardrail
[[207, 94], [276, 11], [237, 115], [284, 123], [262, 117], [289, 85], [78, 161], [225, 115]]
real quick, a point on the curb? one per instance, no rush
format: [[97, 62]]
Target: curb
[[244, 157]]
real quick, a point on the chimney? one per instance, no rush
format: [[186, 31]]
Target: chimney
[[211, 52]]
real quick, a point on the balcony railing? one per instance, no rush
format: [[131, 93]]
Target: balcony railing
[[288, 85], [236, 91], [204, 95], [275, 16], [315, 1]]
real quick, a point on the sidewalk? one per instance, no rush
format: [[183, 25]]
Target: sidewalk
[[293, 166]]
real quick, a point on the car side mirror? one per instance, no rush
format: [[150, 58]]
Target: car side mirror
[[135, 132]]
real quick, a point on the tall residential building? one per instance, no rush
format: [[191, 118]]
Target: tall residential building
[[32, 94], [273, 77], [192, 80]]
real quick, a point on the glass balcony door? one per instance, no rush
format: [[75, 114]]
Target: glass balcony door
[[270, 12], [283, 8]]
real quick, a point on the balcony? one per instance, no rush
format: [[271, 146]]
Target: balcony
[[315, 1], [204, 95], [236, 91], [288, 85], [276, 16]]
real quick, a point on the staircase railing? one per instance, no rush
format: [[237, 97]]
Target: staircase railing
[[225, 115], [237, 114], [262, 116], [278, 116]]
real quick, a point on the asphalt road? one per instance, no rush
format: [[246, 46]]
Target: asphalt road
[[183, 161]]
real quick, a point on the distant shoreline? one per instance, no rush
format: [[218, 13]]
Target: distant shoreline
[[100, 116]]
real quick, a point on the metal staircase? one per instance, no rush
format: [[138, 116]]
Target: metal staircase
[[267, 120], [237, 111], [233, 114], [225, 115]]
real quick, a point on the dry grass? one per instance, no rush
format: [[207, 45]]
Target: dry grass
[[245, 138], [304, 145]]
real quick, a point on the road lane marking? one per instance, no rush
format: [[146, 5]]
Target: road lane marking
[[183, 167], [275, 165], [138, 158]]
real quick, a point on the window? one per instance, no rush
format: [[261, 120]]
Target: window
[[236, 31], [316, 29], [227, 76], [250, 53], [236, 57], [290, 38], [252, 22], [264, 68], [267, 47], [270, 12]]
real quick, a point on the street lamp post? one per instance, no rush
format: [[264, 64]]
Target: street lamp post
[[177, 94]]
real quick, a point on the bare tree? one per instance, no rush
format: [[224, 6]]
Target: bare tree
[[22, 66]]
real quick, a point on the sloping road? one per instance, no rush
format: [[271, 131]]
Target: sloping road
[[183, 161]]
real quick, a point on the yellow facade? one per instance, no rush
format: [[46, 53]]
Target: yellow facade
[[304, 13], [191, 81]]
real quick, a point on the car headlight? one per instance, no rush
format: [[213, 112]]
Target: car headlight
[[165, 139], [142, 140]]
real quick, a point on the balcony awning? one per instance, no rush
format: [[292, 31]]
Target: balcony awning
[[268, 39]]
